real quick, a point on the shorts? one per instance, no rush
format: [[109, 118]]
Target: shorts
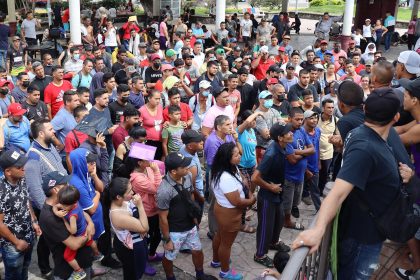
[[70, 254], [183, 240]]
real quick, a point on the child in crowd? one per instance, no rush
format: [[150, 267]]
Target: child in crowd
[[357, 37], [171, 135], [75, 221]]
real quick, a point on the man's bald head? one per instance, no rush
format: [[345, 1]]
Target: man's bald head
[[382, 74]]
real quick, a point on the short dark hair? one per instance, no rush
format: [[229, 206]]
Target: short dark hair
[[68, 96], [294, 111], [325, 101], [37, 126], [107, 76], [68, 195], [55, 68], [232, 76], [307, 92], [99, 92], [173, 109], [32, 88], [20, 75], [173, 91], [303, 72], [81, 90], [212, 63], [72, 49], [137, 131], [130, 112], [86, 61], [78, 110], [122, 88]]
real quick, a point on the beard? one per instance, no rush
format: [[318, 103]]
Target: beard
[[48, 141]]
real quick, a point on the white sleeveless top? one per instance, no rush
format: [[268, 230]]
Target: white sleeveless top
[[123, 235]]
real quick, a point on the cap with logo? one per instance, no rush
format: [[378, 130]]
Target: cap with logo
[[323, 42], [279, 129], [16, 109], [382, 105], [328, 53], [309, 114], [282, 49], [204, 84], [411, 61], [191, 136], [175, 160], [290, 65], [237, 49], [264, 94], [12, 158], [274, 68], [53, 179]]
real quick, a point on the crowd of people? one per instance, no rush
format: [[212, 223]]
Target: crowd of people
[[119, 145]]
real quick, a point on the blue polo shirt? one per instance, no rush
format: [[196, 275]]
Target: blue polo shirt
[[313, 160], [248, 141], [17, 134], [295, 172]]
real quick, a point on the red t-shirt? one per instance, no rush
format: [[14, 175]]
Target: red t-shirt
[[127, 30], [53, 95], [359, 68], [261, 70], [152, 124], [66, 16], [119, 136], [71, 143], [186, 113]]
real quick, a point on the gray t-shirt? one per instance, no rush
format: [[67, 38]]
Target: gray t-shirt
[[265, 32], [29, 28], [269, 118], [273, 50], [221, 34]]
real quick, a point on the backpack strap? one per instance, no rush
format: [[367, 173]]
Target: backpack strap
[[44, 158], [76, 138]]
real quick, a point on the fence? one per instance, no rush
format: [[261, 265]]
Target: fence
[[302, 266]]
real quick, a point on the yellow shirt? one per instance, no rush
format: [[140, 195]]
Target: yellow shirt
[[115, 52], [328, 128]]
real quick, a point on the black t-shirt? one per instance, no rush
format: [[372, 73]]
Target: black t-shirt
[[350, 121], [248, 97], [284, 108], [151, 75], [36, 112], [117, 110], [370, 166], [116, 66], [272, 169], [55, 232], [296, 92], [42, 84]]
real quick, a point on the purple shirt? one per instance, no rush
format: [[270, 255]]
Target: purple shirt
[[213, 143]]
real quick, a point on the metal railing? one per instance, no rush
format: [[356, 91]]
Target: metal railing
[[309, 267]]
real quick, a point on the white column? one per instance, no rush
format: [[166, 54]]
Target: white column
[[220, 12], [75, 31], [49, 12], [11, 12], [156, 8], [348, 17]]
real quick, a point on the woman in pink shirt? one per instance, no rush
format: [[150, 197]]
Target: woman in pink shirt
[[152, 118], [145, 180], [163, 33], [411, 33]]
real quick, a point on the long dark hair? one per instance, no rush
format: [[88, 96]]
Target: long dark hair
[[118, 187], [221, 163]]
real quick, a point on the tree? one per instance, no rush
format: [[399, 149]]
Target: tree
[[272, 4]]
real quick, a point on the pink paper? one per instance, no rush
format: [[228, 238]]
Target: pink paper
[[161, 166], [142, 151]]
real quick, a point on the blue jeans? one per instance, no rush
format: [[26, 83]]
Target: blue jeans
[[357, 261], [16, 263], [388, 37], [3, 56]]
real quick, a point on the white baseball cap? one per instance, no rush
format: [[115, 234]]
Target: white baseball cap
[[204, 84], [411, 61], [264, 49]]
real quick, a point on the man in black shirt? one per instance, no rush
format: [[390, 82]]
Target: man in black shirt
[[121, 56], [56, 234], [41, 80], [117, 107], [153, 73], [279, 100], [249, 95], [295, 94], [35, 109], [370, 173]]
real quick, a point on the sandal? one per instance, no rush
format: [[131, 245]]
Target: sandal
[[295, 212], [280, 246], [248, 229], [265, 261], [296, 226]]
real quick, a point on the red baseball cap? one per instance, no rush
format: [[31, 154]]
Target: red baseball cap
[[272, 81], [166, 67], [154, 57], [4, 82], [323, 42], [282, 49], [15, 109]]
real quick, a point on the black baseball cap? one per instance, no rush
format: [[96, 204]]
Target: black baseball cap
[[237, 49], [413, 86], [190, 136], [382, 105], [279, 129], [274, 68], [175, 160], [53, 179], [91, 157], [12, 158]]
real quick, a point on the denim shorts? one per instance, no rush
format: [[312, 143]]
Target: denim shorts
[[182, 241]]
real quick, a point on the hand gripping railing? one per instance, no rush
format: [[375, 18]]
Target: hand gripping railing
[[302, 266]]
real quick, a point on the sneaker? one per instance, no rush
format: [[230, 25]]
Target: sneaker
[[215, 264], [407, 274], [111, 263], [295, 212], [48, 275], [149, 270], [307, 200], [156, 258], [78, 275], [265, 261], [280, 246], [231, 274], [98, 258]]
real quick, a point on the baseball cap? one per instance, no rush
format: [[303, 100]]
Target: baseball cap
[[368, 19], [290, 65], [142, 45], [282, 49], [238, 59], [129, 61], [175, 160], [204, 84], [53, 179], [264, 49], [91, 157], [319, 66], [272, 81], [309, 113], [166, 67], [12, 158], [286, 37], [154, 57], [4, 82], [170, 53], [274, 68], [371, 46], [411, 61], [413, 86], [102, 46], [15, 109], [191, 136], [243, 70], [14, 38], [279, 129], [233, 40], [186, 55], [382, 105], [132, 18], [220, 51], [88, 47], [328, 53], [237, 49], [264, 94], [368, 63], [323, 42]]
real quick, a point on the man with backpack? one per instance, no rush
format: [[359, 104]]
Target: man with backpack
[[84, 77]]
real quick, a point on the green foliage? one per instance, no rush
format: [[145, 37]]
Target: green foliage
[[317, 3], [337, 2]]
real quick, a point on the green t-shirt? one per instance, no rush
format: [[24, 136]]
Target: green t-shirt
[[173, 133]]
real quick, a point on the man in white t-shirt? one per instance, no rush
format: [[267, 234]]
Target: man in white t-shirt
[[246, 28]]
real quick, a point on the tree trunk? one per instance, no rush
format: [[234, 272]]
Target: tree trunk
[[147, 6], [284, 4], [415, 10]]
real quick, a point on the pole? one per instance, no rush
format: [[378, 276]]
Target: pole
[[49, 13], [296, 6], [347, 23], [75, 34], [220, 11], [11, 16]]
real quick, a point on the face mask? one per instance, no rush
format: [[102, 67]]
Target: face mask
[[268, 103], [124, 99], [336, 50], [205, 93], [76, 56], [25, 84], [156, 64], [281, 97], [4, 91]]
